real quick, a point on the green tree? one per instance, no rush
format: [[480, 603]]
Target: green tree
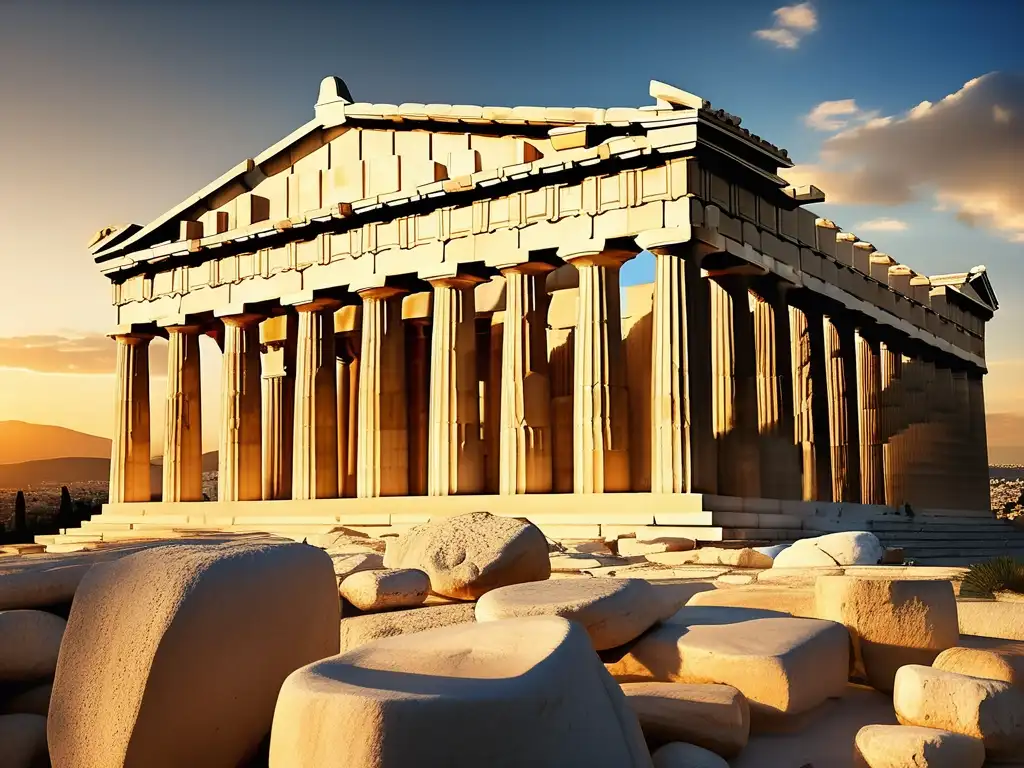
[[20, 521]]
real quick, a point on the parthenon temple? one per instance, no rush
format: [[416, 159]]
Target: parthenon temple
[[420, 313]]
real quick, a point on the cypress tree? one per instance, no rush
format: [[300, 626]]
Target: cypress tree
[[20, 522], [66, 513]]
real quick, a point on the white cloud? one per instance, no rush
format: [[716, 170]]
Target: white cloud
[[836, 115], [792, 24], [881, 225], [964, 152]]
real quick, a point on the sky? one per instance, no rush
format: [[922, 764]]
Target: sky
[[909, 115]]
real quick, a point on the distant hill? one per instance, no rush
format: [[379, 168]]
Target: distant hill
[[1005, 438], [21, 441], [76, 470]]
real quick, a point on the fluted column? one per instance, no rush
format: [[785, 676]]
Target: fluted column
[[456, 460], [525, 420], [780, 459], [683, 451], [735, 395], [417, 338], [600, 399], [129, 451], [960, 450], [239, 471], [869, 388], [893, 425], [810, 403], [980, 488], [183, 427], [346, 348], [315, 468], [842, 400], [382, 461], [277, 366]]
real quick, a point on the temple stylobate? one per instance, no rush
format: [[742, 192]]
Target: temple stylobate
[[420, 313]]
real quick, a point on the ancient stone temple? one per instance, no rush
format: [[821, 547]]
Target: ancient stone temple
[[420, 313]]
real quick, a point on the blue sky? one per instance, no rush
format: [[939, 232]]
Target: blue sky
[[115, 111]]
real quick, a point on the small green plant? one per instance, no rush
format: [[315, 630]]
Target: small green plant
[[997, 575]]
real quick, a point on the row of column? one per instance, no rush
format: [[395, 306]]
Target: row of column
[[752, 395]]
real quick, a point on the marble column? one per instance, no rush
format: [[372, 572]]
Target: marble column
[[382, 461], [278, 403], [600, 398], [735, 395], [525, 433], [961, 438], [183, 427], [455, 460], [893, 425], [130, 456], [417, 338], [981, 493], [239, 458], [810, 403], [842, 400], [869, 403], [944, 466], [315, 468], [780, 459], [683, 450], [346, 346]]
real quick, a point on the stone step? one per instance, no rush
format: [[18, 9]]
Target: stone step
[[938, 524], [965, 536]]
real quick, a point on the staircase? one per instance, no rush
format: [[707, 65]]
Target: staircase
[[933, 540]]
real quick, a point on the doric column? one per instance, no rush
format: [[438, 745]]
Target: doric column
[[239, 471], [842, 401], [315, 468], [780, 459], [382, 460], [683, 451], [183, 426], [944, 464], [455, 460], [278, 374], [600, 399], [869, 403], [810, 403], [525, 419], [735, 396], [346, 348], [417, 339], [893, 425], [129, 451], [980, 489], [961, 440]]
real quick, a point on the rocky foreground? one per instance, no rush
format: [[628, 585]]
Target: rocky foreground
[[475, 641]]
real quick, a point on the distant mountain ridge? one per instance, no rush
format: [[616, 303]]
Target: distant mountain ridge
[[21, 441]]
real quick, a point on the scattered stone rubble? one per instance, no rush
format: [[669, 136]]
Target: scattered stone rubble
[[260, 652]]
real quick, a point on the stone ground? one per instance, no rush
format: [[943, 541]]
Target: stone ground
[[723, 658]]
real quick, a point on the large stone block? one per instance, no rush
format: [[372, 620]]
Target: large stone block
[[613, 611], [990, 710], [391, 588], [891, 622], [174, 656], [29, 644], [782, 664], [468, 555], [844, 548], [899, 746], [503, 693], [716, 717], [360, 630], [796, 601], [1001, 662]]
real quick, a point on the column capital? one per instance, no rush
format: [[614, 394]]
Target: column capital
[[242, 320], [381, 292], [601, 253], [666, 241], [184, 328], [456, 281], [528, 268], [130, 337], [317, 305]]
